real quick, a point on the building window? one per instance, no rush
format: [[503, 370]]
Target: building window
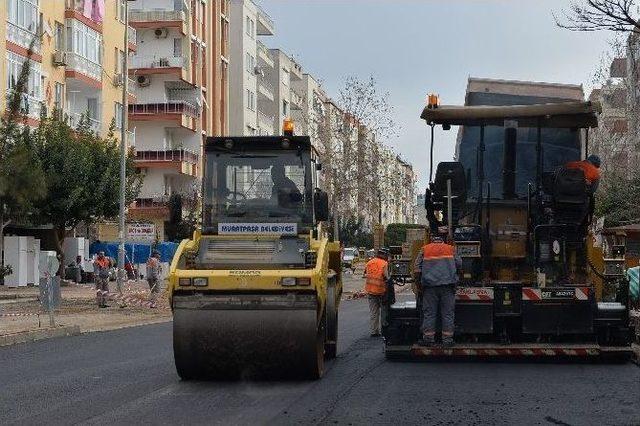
[[24, 14], [122, 10], [251, 27], [251, 100], [92, 108], [59, 36], [14, 68], [118, 114], [119, 61], [84, 41], [58, 96], [285, 108], [251, 63], [177, 47]]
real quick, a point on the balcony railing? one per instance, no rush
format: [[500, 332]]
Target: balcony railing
[[182, 155], [165, 108], [263, 53], [74, 119], [89, 68], [157, 62], [138, 15], [265, 121], [262, 16], [265, 88], [132, 36], [29, 105], [22, 37], [151, 203]]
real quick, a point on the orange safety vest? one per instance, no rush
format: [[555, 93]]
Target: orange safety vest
[[591, 172], [375, 284], [103, 263], [433, 251]]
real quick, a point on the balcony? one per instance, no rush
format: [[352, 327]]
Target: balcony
[[265, 26], [30, 106], [74, 119], [266, 123], [157, 18], [180, 112], [263, 53], [23, 38], [132, 38], [266, 89], [150, 207], [181, 161], [76, 9], [157, 65], [297, 101], [78, 64]]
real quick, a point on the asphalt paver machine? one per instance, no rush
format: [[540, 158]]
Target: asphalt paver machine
[[526, 285], [255, 293]]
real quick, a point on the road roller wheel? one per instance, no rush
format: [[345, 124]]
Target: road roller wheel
[[330, 347], [316, 369]]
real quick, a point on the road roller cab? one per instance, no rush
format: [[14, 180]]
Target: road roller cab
[[256, 291]]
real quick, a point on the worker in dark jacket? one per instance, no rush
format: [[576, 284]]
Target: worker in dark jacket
[[436, 269]]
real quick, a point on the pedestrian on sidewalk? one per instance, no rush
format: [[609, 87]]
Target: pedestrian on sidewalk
[[377, 274], [153, 276], [436, 267], [101, 266]]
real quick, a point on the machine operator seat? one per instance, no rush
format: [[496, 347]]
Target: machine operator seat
[[570, 196]]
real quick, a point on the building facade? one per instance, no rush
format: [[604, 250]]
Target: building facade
[[76, 62], [249, 63], [181, 76]]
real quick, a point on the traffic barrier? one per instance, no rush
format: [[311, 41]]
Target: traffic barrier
[[127, 297]]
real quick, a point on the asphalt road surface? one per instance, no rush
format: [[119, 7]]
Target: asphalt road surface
[[128, 377]]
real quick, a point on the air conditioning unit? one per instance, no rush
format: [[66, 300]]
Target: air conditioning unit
[[258, 71], [144, 80], [60, 58], [161, 32], [118, 80]]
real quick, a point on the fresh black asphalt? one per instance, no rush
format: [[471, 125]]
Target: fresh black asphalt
[[127, 377]]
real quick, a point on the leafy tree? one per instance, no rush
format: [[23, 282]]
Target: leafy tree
[[353, 233], [179, 226], [396, 233], [82, 175], [21, 177]]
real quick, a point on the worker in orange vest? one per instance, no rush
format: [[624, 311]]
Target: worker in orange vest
[[436, 269], [591, 169], [377, 274]]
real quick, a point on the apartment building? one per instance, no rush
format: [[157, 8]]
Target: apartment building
[[76, 62], [309, 117], [250, 62], [181, 77]]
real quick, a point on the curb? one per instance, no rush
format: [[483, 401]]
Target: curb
[[123, 326], [636, 353], [32, 336]]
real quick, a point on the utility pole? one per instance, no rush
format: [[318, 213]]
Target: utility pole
[[123, 147]]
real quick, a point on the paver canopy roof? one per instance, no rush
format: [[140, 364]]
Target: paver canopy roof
[[551, 115]]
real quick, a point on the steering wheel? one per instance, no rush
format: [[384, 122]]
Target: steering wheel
[[244, 196]]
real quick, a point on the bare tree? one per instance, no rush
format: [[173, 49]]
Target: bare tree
[[598, 15]]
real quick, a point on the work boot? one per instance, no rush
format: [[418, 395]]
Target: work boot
[[375, 334], [447, 342], [427, 342]]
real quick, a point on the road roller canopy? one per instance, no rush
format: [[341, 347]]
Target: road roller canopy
[[259, 181], [571, 115]]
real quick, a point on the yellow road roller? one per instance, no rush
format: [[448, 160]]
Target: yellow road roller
[[255, 293]]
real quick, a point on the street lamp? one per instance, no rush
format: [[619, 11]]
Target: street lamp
[[123, 146]]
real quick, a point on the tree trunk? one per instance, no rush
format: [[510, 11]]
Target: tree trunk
[[59, 234], [2, 225]]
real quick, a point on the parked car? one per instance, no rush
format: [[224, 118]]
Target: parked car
[[349, 257]]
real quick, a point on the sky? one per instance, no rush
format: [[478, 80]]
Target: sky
[[416, 47]]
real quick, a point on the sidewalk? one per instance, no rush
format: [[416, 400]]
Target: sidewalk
[[22, 315]]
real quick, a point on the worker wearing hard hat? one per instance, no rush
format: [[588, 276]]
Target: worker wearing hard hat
[[377, 274], [591, 169], [436, 268]]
